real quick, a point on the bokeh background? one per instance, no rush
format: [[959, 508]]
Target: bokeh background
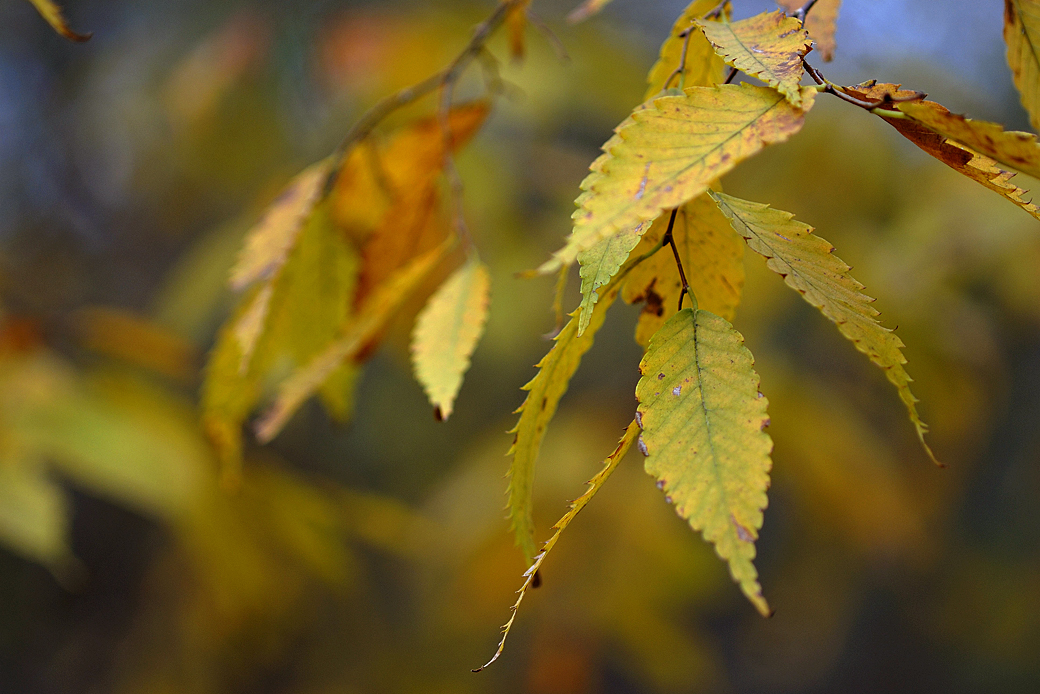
[[375, 557]]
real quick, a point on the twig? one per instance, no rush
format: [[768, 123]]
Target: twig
[[550, 36], [714, 13], [680, 70], [733, 72], [667, 238], [831, 88], [804, 10]]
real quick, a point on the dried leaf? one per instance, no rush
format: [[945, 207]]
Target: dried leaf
[[713, 259], [703, 68], [447, 332], [670, 152], [821, 22], [609, 465], [769, 46], [600, 263], [586, 10], [1022, 34], [703, 423], [50, 11], [807, 264]]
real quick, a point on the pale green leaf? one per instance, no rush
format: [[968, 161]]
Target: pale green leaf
[[600, 263]]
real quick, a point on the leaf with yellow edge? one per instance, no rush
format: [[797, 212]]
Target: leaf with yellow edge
[[769, 46], [703, 423], [447, 331], [807, 264], [975, 166], [703, 68], [1022, 35], [50, 11], [600, 263], [370, 320], [821, 22], [670, 152], [586, 10], [712, 256], [609, 465], [1018, 150]]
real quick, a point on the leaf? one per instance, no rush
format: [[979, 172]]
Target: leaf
[[807, 264], [369, 321], [959, 158], [769, 46], [50, 11], [1022, 34], [821, 22], [712, 257], [703, 66], [670, 152], [447, 332], [600, 263], [1018, 150], [609, 465], [703, 423], [517, 25], [586, 10], [34, 515]]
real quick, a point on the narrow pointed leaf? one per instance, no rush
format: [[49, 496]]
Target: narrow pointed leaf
[[703, 68], [1022, 35], [670, 152], [822, 23], [447, 332], [600, 263], [713, 259], [609, 465], [808, 266], [703, 420], [50, 11], [769, 46]]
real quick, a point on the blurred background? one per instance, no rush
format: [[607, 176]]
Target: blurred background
[[375, 557]]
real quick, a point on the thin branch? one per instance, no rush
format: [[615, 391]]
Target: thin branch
[[680, 70], [804, 10], [829, 87], [733, 72], [550, 36], [714, 13], [670, 240]]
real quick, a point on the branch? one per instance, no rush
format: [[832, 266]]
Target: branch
[[804, 10], [829, 87]]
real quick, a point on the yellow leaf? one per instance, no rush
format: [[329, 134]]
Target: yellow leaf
[[586, 10], [821, 22], [703, 423], [975, 166], [50, 11], [33, 512], [1018, 150], [703, 66], [447, 332], [713, 259], [807, 264], [600, 263], [609, 465], [1022, 34], [769, 46], [517, 24], [670, 152], [369, 321]]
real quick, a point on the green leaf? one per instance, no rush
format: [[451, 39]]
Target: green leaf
[[807, 264], [600, 263], [448, 330], [703, 420], [703, 66]]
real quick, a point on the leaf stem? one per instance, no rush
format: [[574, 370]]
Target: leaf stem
[[804, 10], [670, 240], [829, 87]]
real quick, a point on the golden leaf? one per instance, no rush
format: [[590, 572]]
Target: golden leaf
[[517, 25], [50, 11], [703, 68], [769, 46], [447, 332], [703, 423], [713, 259], [1022, 35], [821, 22], [670, 152], [808, 266]]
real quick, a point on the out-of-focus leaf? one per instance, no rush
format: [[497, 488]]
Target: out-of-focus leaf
[[821, 22], [769, 46], [975, 166], [33, 512], [670, 152], [517, 23], [712, 256], [371, 318], [609, 465], [448, 330], [703, 68], [808, 266], [1022, 34], [586, 10], [134, 339], [703, 423], [600, 263], [50, 11]]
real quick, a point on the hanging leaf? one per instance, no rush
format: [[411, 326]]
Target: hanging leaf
[[807, 264], [703, 423], [609, 465], [769, 46], [586, 10], [600, 263], [447, 332], [1022, 35], [1017, 150], [981, 169], [703, 68], [370, 320], [50, 11], [517, 24], [821, 23], [712, 256], [670, 152]]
